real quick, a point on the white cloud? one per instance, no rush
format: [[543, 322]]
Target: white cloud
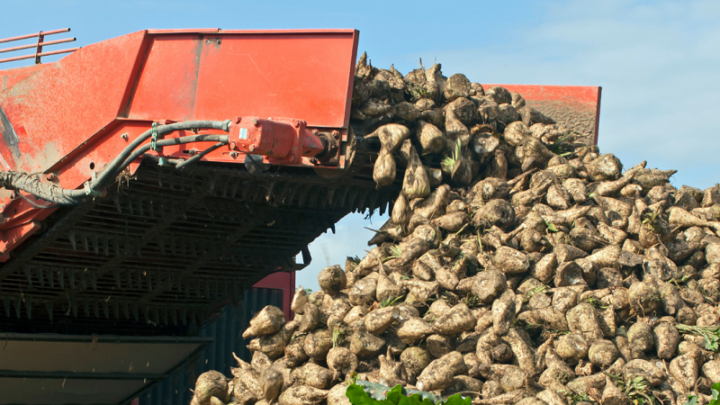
[[657, 64]]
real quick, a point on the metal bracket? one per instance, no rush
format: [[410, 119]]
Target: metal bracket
[[89, 191]]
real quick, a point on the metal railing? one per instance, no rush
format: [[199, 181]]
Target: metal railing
[[38, 46]]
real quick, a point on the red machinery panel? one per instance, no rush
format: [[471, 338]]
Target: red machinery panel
[[297, 75], [576, 107], [63, 105], [69, 118], [157, 76]]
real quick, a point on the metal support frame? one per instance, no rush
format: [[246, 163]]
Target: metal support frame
[[202, 342], [80, 375], [154, 231], [45, 240], [38, 46], [195, 265]]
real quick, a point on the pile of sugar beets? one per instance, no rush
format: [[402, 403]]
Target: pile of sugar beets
[[519, 265]]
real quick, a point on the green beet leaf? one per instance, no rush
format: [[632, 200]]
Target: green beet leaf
[[715, 389], [357, 396], [395, 394], [457, 399], [367, 393]]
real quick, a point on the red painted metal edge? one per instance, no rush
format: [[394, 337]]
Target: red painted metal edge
[[263, 32], [356, 40], [574, 101], [584, 94], [597, 115], [15, 236]]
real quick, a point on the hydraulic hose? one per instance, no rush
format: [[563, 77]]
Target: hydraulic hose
[[169, 142], [199, 156], [110, 171], [31, 183]]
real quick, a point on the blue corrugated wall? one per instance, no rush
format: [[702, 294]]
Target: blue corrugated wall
[[226, 331]]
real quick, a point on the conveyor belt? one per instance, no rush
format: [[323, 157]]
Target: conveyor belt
[[162, 249]]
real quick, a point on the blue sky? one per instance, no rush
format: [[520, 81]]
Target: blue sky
[[657, 61]]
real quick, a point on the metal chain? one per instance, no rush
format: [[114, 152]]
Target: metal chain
[[153, 143]]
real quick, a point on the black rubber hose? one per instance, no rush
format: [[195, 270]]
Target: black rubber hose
[[110, 171], [199, 156], [169, 142], [31, 183], [58, 195]]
